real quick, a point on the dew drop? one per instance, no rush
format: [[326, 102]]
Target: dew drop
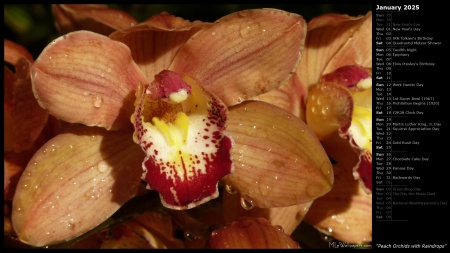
[[319, 100], [325, 110], [326, 238], [247, 203], [230, 189], [189, 236], [265, 189], [97, 100], [103, 166], [279, 228], [245, 30]]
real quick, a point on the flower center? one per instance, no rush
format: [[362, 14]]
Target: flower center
[[180, 128]]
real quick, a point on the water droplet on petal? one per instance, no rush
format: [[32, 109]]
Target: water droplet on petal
[[189, 236], [326, 238], [98, 100], [103, 166], [230, 189], [245, 30], [279, 228], [325, 110], [247, 203]]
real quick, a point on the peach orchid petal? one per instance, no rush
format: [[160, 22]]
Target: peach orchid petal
[[258, 47], [290, 96], [26, 118], [155, 42], [345, 212], [278, 160], [93, 17], [87, 78], [342, 101], [13, 52], [333, 41], [73, 183], [251, 233], [287, 218], [329, 108]]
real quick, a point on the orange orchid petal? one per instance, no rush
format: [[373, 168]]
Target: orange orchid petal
[[93, 17], [13, 52], [251, 233], [329, 108], [25, 119], [287, 218], [333, 41], [290, 96], [74, 182], [278, 160], [258, 47], [87, 78], [155, 42], [345, 212]]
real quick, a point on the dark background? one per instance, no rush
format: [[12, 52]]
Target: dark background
[[33, 26]]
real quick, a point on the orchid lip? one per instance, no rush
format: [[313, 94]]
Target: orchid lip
[[181, 127]]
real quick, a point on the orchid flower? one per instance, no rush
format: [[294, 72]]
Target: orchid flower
[[336, 68], [182, 91], [26, 124]]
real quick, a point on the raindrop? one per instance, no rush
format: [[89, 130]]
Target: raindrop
[[98, 100], [189, 236], [213, 33], [103, 166], [326, 238], [319, 100], [279, 228], [230, 189], [264, 189], [325, 110], [245, 31], [247, 203]]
